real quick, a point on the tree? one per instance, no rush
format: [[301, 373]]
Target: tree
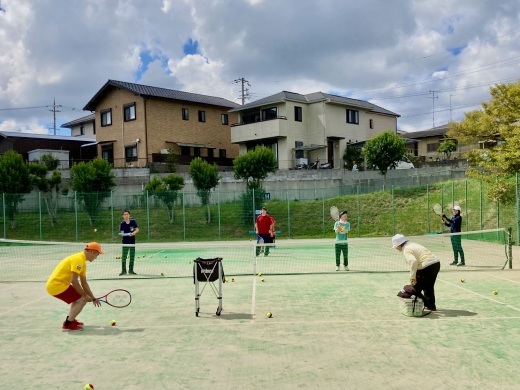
[[46, 177], [447, 147], [15, 181], [496, 127], [255, 166], [205, 178], [353, 155], [92, 182], [384, 151], [166, 190]]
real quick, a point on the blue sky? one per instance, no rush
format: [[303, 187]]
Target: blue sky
[[389, 53]]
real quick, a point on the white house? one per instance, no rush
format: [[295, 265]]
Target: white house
[[312, 126], [82, 127]]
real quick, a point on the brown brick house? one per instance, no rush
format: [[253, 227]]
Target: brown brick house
[[137, 125]]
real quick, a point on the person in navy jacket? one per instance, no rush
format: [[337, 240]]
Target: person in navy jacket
[[455, 225]]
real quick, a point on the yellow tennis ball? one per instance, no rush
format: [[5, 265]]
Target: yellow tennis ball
[[113, 322], [88, 386], [495, 292], [162, 274], [259, 274], [263, 280], [269, 314], [462, 280], [232, 279], [95, 230]]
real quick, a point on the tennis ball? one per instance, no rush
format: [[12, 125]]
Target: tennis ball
[[462, 280], [162, 273], [113, 322], [269, 314], [88, 386], [232, 279], [495, 292], [263, 280]]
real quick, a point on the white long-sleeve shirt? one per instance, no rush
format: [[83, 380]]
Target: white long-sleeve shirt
[[417, 257]]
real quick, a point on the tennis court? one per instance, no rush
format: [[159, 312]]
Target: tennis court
[[329, 330]]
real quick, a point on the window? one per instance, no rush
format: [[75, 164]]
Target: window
[[106, 118], [185, 150], [432, 147], [185, 114], [129, 112], [210, 153], [131, 152], [371, 123], [196, 152], [269, 113], [222, 153], [82, 130], [202, 116], [225, 119], [353, 116], [298, 114], [298, 153]]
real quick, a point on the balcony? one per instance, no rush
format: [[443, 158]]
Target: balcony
[[270, 128]]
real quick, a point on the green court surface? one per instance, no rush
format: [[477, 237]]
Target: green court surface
[[335, 330]]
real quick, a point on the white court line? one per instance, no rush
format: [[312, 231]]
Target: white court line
[[224, 324], [26, 304], [253, 300], [480, 295]]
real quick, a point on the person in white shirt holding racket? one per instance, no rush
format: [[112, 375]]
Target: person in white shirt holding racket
[[341, 228]]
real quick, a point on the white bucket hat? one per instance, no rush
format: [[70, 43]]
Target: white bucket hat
[[398, 240], [456, 208]]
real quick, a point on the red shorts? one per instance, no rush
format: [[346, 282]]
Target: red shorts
[[69, 295]]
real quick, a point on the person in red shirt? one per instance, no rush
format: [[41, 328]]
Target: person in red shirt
[[263, 227]]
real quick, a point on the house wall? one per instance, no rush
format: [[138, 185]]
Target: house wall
[[159, 123], [88, 129]]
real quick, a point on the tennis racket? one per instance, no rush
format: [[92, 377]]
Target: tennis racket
[[334, 213], [259, 239], [116, 298], [437, 209]]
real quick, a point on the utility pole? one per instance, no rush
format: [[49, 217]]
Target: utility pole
[[433, 101], [54, 111], [245, 91]]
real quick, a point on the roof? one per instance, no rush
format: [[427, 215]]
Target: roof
[[433, 132], [314, 98], [17, 134], [75, 122], [146, 90]]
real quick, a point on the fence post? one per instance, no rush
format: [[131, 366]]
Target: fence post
[[148, 215], [288, 214], [510, 246], [393, 211], [40, 212]]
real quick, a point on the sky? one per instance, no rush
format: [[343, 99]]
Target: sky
[[429, 61]]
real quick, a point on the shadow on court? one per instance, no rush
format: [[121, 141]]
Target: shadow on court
[[105, 331], [236, 316], [451, 313]]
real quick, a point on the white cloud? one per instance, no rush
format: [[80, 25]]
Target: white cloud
[[391, 53]]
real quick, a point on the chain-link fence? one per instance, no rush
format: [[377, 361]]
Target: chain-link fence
[[299, 213]]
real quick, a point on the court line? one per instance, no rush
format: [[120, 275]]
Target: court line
[[481, 295], [499, 277], [25, 304], [119, 329]]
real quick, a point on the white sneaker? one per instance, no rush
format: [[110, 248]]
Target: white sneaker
[[346, 268], [337, 268]]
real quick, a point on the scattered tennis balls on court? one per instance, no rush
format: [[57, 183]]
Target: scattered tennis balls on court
[[113, 322], [269, 314], [462, 280], [495, 292], [89, 386]]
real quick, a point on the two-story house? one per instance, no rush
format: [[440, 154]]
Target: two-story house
[[136, 124], [82, 127], [308, 127]]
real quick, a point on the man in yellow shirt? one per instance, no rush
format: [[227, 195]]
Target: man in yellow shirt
[[68, 282], [424, 267]]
